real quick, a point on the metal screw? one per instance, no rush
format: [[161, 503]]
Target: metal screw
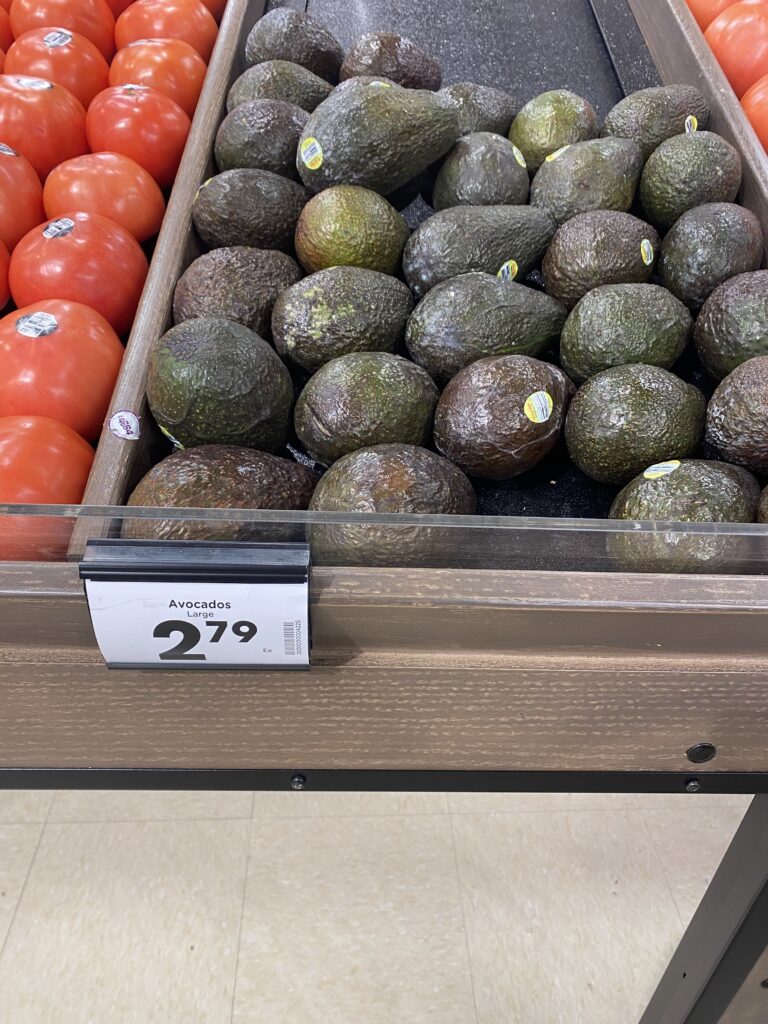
[[298, 782], [692, 786], [701, 752]]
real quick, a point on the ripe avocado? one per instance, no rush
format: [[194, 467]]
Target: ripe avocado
[[705, 247], [262, 134], [283, 34], [762, 508], [482, 169], [248, 207], [686, 171], [212, 381], [481, 108], [628, 417], [493, 239], [500, 416], [351, 226], [238, 284], [363, 399], [337, 311], [737, 418], [279, 80], [733, 323], [596, 248], [477, 315], [399, 59], [601, 174], [548, 122], [377, 136], [624, 323], [216, 476], [650, 116]]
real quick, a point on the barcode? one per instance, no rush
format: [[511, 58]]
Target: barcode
[[289, 639]]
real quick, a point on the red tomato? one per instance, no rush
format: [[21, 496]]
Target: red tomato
[[6, 35], [21, 197], [140, 123], [60, 56], [42, 120], [169, 65], [84, 258], [739, 40], [216, 7], [189, 20], [5, 4], [2, 61], [116, 6], [755, 104], [90, 18], [5, 292], [705, 11]]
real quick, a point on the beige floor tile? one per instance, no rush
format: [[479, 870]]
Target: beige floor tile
[[135, 922], [17, 847], [482, 803], [147, 805], [307, 804], [24, 805], [569, 918], [351, 920]]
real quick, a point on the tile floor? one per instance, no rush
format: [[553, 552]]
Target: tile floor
[[301, 908]]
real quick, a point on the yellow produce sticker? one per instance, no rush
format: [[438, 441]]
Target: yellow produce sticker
[[311, 153], [538, 406], [660, 469], [171, 438], [379, 85], [556, 154], [691, 124], [519, 156], [508, 271], [646, 251]]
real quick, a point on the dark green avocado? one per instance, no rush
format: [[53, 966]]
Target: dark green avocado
[[279, 80], [733, 323], [397, 58], [283, 34], [550, 121], [737, 418], [624, 323], [481, 108], [628, 417], [482, 169], [262, 134], [650, 116], [477, 315]]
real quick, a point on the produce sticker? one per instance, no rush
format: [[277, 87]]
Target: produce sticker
[[538, 406]]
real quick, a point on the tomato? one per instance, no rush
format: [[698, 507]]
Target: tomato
[[60, 56], [755, 104], [116, 6], [21, 197], [6, 35], [189, 20], [143, 124], [171, 66], [739, 40], [5, 4], [84, 258], [90, 18], [2, 62], [5, 292], [216, 7], [42, 120], [705, 11]]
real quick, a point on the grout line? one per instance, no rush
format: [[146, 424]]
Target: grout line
[[32, 859], [141, 821], [463, 915], [240, 923]]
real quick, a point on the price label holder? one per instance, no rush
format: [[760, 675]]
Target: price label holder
[[199, 605]]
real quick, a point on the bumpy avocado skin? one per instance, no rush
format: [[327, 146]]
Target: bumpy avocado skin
[[600, 174], [399, 59], [482, 169], [212, 381], [686, 171], [338, 311], [628, 417], [624, 323], [364, 399], [649, 116], [705, 247], [481, 108], [474, 316], [598, 248], [219, 476], [483, 420], [762, 508], [475, 238], [262, 134], [737, 417], [279, 80], [283, 34], [239, 284], [733, 323], [548, 122], [693, 492], [388, 478]]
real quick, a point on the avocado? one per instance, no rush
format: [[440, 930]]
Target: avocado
[[262, 134], [597, 248], [683, 491], [498, 417], [762, 508], [218, 476], [284, 34], [624, 323], [686, 171], [279, 80], [705, 247], [387, 478], [248, 207], [351, 226], [337, 311], [238, 284], [481, 108], [601, 174], [212, 381], [495, 239], [650, 116], [482, 169], [363, 399], [477, 315], [733, 323], [399, 59], [737, 418], [550, 121], [379, 136], [628, 417]]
